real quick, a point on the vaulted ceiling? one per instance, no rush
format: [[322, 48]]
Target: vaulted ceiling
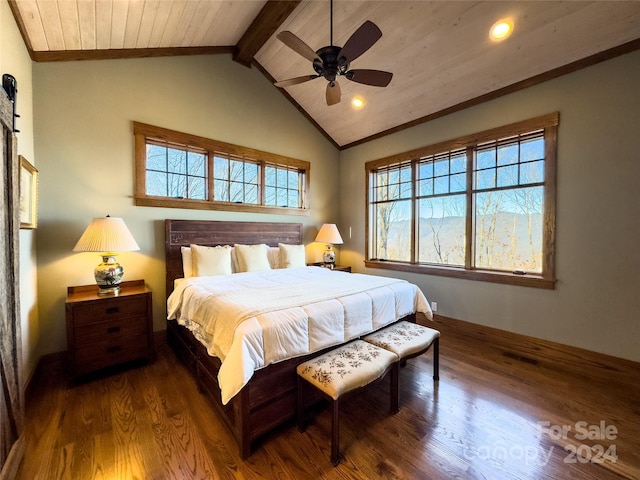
[[439, 52]]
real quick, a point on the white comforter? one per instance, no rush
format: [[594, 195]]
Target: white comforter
[[250, 320]]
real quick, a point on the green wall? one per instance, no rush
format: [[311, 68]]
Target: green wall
[[596, 302], [84, 145], [14, 60]]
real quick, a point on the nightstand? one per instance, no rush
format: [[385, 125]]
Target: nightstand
[[337, 268], [341, 268], [107, 330]]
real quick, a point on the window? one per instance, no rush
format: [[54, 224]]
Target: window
[[235, 179], [175, 169], [282, 186], [480, 207]]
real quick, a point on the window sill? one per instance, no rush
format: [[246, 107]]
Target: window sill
[[527, 280], [206, 205]]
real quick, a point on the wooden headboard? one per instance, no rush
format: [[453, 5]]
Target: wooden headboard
[[182, 233]]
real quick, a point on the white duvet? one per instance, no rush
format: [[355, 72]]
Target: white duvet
[[250, 320]]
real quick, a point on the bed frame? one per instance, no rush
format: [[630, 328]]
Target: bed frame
[[269, 399]]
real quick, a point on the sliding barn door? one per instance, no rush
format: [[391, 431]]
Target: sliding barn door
[[11, 410]]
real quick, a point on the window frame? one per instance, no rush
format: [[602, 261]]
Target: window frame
[[546, 279], [145, 134]]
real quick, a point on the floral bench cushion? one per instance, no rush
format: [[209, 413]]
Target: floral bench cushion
[[347, 368], [403, 338]]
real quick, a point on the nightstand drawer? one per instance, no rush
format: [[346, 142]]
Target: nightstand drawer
[[93, 333], [101, 310], [111, 352]]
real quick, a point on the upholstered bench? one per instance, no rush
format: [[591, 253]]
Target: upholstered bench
[[342, 372], [408, 340]]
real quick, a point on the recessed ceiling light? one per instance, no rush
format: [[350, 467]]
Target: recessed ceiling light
[[501, 29], [357, 103]]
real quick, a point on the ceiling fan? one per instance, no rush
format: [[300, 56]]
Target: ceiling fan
[[332, 61]]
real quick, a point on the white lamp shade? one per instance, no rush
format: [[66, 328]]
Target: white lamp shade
[[107, 234], [329, 234]]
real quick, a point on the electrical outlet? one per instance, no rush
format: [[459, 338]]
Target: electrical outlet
[[434, 306]]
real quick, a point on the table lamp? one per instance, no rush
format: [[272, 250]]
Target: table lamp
[[330, 235], [107, 236]]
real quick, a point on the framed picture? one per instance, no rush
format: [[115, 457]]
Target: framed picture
[[28, 194]]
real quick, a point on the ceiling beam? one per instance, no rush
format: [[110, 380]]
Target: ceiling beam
[[116, 53], [262, 28]]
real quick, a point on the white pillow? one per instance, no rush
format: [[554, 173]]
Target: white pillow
[[187, 263], [252, 258], [274, 257], [292, 256], [234, 261], [208, 261]]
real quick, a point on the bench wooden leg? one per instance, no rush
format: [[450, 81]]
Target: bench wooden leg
[[300, 407], [395, 390], [335, 433], [436, 358]]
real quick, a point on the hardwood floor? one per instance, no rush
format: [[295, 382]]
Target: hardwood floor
[[497, 412]]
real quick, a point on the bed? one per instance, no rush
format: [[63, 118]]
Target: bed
[[250, 374]]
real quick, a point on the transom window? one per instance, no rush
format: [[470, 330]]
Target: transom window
[[235, 179], [175, 169], [479, 207], [176, 172]]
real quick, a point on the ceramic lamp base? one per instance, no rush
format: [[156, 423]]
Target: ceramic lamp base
[[109, 275], [329, 256]]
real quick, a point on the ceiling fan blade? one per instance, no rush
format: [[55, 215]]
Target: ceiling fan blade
[[298, 46], [377, 78], [333, 93], [295, 81], [362, 40]]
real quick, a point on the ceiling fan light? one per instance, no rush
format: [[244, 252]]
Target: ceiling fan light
[[501, 29], [358, 103]]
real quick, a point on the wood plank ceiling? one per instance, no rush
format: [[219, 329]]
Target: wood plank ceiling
[[439, 51]]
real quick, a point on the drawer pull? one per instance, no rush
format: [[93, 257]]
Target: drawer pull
[[115, 349], [113, 329], [112, 310]]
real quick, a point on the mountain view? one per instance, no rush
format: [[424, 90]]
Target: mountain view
[[504, 241]]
